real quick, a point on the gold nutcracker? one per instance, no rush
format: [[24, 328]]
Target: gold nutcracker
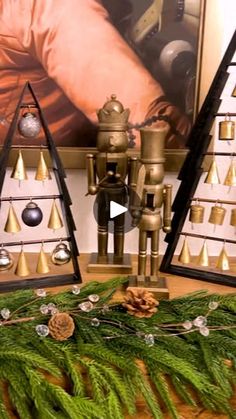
[[151, 207], [107, 171]]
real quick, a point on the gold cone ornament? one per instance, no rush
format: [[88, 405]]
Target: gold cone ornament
[[213, 175], [226, 129], [217, 215], [184, 256], [230, 179], [12, 224], [55, 221], [233, 94], [203, 259], [223, 261], [19, 171], [42, 172], [42, 264], [22, 268]]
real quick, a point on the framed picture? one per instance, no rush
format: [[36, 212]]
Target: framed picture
[[147, 52]]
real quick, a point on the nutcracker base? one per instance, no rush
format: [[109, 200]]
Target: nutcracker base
[[155, 284], [110, 264]]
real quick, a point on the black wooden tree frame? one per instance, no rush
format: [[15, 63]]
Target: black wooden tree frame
[[64, 197], [191, 171]]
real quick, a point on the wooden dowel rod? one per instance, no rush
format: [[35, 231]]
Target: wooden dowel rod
[[218, 153], [201, 236], [27, 242], [214, 201], [22, 146], [29, 198]]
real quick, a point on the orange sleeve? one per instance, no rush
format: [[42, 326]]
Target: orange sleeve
[[85, 55]]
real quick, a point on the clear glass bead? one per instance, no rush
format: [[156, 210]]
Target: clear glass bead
[[5, 313], [75, 290], [200, 321], [94, 298], [149, 339], [51, 306], [42, 330], [54, 311], [187, 325], [41, 293], [105, 309], [204, 331], [86, 306], [213, 305], [95, 322], [44, 309]]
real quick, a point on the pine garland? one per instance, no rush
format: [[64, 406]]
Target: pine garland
[[113, 357]]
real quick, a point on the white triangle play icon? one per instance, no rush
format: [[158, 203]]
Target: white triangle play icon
[[116, 209]]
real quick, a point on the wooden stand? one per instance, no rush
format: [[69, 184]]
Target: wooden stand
[[110, 264], [155, 284]]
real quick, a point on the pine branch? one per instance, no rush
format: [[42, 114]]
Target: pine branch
[[3, 410], [161, 385], [114, 407], [19, 403]]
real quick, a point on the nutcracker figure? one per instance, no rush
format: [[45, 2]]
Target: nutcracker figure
[[151, 206], [107, 171]]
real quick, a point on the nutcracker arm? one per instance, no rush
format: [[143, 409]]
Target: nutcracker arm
[[91, 175], [167, 198], [133, 172]]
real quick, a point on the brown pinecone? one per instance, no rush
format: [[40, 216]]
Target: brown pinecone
[[61, 326], [140, 302]]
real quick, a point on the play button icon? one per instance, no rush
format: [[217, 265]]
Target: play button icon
[[116, 209], [110, 213]]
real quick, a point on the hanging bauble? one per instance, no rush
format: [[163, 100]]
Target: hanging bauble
[[61, 254], [29, 125], [32, 214], [6, 260]]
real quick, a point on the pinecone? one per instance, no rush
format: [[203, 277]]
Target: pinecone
[[61, 326], [140, 302]]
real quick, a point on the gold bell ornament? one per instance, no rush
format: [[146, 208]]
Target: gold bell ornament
[[184, 256], [212, 175], [233, 94], [217, 215], [203, 259], [19, 171], [230, 179], [61, 254], [226, 129], [196, 214], [42, 263], [55, 220], [22, 268], [6, 260], [223, 261], [42, 172], [12, 224], [233, 219]]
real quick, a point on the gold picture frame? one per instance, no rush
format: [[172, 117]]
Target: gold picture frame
[[75, 157]]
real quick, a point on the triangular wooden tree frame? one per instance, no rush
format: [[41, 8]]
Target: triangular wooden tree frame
[[192, 170], [64, 197]]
